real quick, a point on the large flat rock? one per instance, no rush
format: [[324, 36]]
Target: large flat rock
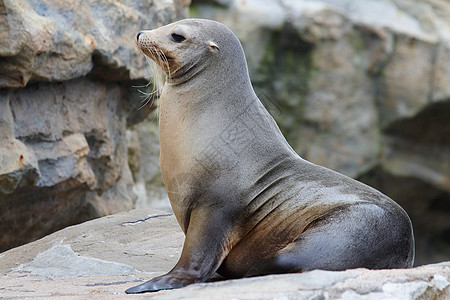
[[103, 257]]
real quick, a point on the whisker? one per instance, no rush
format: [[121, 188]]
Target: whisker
[[166, 62], [158, 76], [147, 93], [145, 103], [142, 86]]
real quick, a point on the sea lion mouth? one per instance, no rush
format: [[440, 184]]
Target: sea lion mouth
[[157, 54]]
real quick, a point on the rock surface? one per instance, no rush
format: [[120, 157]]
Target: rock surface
[[103, 257], [143, 150], [67, 76], [361, 87], [47, 40]]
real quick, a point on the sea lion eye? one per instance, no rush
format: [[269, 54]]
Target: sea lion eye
[[178, 38]]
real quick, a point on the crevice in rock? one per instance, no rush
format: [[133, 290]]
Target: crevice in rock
[[110, 283], [104, 70], [430, 126], [146, 219]]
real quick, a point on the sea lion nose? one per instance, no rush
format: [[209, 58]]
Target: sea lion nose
[[137, 36]]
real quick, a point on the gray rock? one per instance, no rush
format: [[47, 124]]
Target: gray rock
[[61, 262], [143, 148], [105, 256], [61, 40], [67, 160], [67, 76]]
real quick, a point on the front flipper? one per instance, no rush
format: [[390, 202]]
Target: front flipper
[[205, 247], [164, 282]]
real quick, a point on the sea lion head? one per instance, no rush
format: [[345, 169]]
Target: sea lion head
[[185, 48]]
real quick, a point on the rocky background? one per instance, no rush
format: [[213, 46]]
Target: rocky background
[[68, 71], [362, 87]]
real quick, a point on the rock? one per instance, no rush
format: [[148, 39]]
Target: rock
[[59, 40], [61, 262], [18, 167], [103, 257], [361, 87], [149, 187], [66, 162], [68, 71]]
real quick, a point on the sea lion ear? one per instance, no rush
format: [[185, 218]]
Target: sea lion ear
[[213, 46]]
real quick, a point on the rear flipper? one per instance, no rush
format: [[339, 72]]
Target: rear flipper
[[359, 236]]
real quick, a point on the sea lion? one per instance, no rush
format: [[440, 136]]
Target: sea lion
[[247, 203]]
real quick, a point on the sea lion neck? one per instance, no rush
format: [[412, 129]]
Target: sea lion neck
[[213, 79], [185, 73]]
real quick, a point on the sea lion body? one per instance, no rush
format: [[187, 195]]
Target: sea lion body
[[248, 204]]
